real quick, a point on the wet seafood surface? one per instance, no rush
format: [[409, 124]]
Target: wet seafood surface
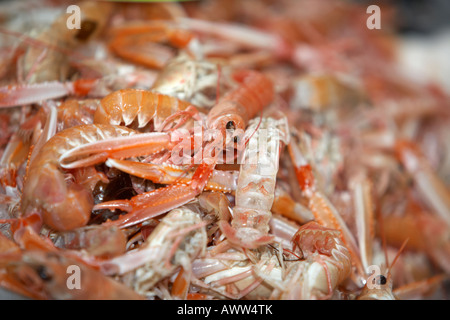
[[222, 150]]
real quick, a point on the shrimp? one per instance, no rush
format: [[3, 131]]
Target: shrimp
[[45, 273], [416, 231], [324, 263], [323, 210], [379, 286], [234, 274], [142, 42], [328, 261], [429, 186], [50, 64], [239, 106], [124, 106], [233, 111], [74, 112], [15, 271], [95, 240], [193, 80], [256, 184], [46, 189], [178, 239]]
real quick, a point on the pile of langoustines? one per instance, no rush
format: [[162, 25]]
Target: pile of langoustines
[[218, 150]]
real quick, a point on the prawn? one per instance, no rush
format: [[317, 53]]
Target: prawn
[[430, 187], [238, 107], [176, 241], [34, 267], [233, 111], [50, 64], [256, 184], [234, 274], [44, 273], [242, 35], [46, 189], [193, 80], [379, 286], [328, 261]]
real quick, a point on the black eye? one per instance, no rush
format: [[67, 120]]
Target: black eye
[[381, 280], [230, 125], [43, 273]]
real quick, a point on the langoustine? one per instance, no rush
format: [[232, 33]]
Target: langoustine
[[175, 242], [339, 120]]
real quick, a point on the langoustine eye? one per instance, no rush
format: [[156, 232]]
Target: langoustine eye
[[44, 273]]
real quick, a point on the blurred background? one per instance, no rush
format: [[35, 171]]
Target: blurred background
[[424, 25]]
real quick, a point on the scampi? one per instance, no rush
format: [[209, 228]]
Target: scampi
[[218, 150]]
